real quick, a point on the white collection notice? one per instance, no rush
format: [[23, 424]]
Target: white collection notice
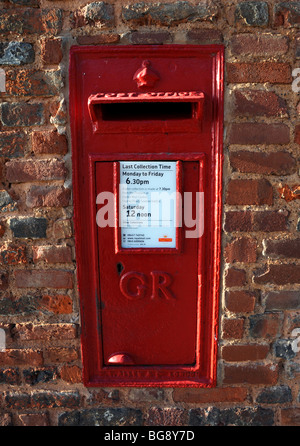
[[147, 204]]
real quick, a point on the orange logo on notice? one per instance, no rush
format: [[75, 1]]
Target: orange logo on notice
[[165, 239]]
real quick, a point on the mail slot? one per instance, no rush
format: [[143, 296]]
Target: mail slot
[[146, 124]]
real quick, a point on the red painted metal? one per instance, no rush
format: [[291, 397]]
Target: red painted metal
[[145, 76], [149, 315]]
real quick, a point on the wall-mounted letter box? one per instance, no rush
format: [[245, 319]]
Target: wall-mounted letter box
[[146, 126]]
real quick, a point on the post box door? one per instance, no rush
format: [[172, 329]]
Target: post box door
[[149, 297]]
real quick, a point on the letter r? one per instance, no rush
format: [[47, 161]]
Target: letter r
[[160, 282]]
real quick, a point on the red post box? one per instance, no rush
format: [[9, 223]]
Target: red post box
[[146, 126]]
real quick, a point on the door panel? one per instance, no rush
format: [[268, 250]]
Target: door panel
[[148, 299]]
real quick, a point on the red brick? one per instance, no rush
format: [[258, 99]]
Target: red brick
[[101, 14], [253, 133], [256, 192], [203, 35], [287, 14], [259, 72], [59, 304], [52, 20], [282, 248], [54, 398], [11, 254], [239, 353], [100, 395], [30, 21], [60, 354], [214, 395], [240, 301], [241, 250], [51, 51], [270, 221], [32, 82], [235, 277], [72, 374], [259, 44], [41, 399], [22, 114], [20, 171], [283, 300], [251, 374], [17, 400], [3, 280], [45, 332], [265, 326], [12, 144], [248, 221], [282, 274], [238, 221], [149, 37], [5, 419], [2, 229], [44, 279], [49, 142], [290, 416], [98, 39], [21, 357], [233, 328], [2, 162], [33, 375], [33, 419], [62, 229], [276, 163], [52, 254], [170, 416], [48, 196], [259, 103]]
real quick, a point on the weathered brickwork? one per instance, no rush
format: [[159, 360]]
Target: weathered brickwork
[[258, 370]]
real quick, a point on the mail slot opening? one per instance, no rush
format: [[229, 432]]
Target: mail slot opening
[[147, 111]]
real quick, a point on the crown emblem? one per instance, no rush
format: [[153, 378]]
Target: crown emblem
[[145, 76]]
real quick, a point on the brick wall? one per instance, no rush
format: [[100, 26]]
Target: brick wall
[[40, 369]]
